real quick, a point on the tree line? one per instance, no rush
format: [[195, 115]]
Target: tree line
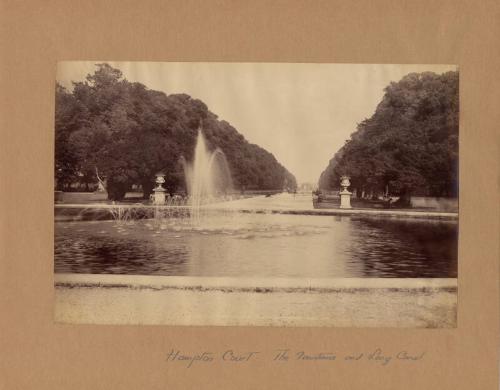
[[410, 144], [123, 133]]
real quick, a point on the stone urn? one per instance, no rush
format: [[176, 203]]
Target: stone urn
[[159, 191], [345, 195]]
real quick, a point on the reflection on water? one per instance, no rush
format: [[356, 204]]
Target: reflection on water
[[261, 245]]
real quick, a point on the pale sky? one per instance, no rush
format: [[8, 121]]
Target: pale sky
[[301, 113]]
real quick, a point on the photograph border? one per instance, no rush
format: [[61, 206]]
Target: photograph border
[[35, 35]]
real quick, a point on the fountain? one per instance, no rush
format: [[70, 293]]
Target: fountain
[[207, 177]]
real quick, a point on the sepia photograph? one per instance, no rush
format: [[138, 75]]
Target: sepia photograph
[[256, 194]]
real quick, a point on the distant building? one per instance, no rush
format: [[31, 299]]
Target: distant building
[[305, 187]]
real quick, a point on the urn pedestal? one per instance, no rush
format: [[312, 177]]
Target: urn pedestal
[[159, 192], [345, 199], [345, 195], [159, 196]]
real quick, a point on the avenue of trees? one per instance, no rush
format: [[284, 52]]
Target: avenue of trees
[[410, 144], [121, 132]]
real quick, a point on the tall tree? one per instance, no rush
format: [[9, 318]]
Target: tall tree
[[409, 145], [126, 133]]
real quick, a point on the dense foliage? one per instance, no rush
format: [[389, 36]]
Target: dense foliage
[[124, 133], [409, 145]]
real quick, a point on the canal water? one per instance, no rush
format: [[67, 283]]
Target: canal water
[[236, 244]]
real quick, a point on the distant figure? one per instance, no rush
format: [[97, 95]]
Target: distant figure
[[389, 201]]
